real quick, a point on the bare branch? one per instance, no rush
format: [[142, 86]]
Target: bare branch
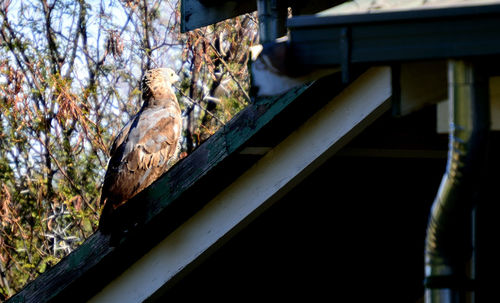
[[194, 103], [242, 90]]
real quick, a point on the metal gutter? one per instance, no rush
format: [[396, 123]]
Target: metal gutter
[[450, 244], [379, 38], [416, 14]]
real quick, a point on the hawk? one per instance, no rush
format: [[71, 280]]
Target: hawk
[[147, 145]]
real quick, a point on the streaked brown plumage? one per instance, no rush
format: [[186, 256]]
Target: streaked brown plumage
[[147, 146]]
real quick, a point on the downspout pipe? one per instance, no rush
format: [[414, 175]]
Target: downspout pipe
[[272, 20], [450, 242]]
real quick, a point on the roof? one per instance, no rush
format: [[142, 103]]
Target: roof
[[377, 6]]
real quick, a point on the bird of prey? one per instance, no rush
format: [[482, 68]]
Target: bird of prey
[[146, 147]]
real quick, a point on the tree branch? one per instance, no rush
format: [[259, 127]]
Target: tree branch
[[194, 103], [54, 54], [71, 182], [247, 97]]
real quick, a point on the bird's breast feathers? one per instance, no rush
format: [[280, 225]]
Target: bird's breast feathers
[[152, 141]]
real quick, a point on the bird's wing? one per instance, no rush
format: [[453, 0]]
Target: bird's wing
[[122, 135], [143, 153], [153, 141]]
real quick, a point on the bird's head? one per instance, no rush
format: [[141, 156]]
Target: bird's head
[[157, 82], [169, 75]]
